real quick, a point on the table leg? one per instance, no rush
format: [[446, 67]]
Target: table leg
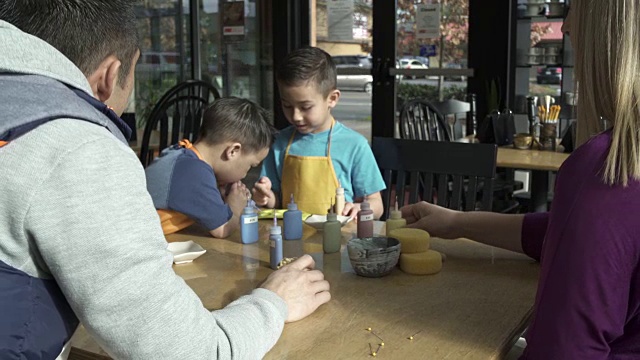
[[539, 190]]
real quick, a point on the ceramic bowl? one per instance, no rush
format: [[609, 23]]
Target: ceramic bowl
[[185, 251], [374, 256], [317, 221], [522, 141]]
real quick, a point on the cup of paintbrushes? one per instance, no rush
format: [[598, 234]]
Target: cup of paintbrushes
[[549, 126]]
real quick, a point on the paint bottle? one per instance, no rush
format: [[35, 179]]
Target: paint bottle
[[292, 222], [365, 220], [275, 244], [331, 233], [339, 200], [395, 220], [249, 224]]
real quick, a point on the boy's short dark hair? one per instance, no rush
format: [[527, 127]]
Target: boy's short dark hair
[[85, 31], [235, 119], [309, 64]]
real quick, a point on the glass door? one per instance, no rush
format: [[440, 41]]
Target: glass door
[[342, 28], [426, 59]]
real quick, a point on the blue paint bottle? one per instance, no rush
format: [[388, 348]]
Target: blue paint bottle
[[249, 224], [292, 222], [275, 244]]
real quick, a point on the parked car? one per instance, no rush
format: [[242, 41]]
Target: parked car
[[412, 64], [454, 78], [422, 59], [549, 75], [363, 82], [158, 62]]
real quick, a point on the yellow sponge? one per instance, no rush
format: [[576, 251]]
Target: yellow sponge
[[412, 240], [425, 263]]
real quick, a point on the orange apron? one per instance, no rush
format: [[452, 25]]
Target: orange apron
[[311, 179], [173, 221]]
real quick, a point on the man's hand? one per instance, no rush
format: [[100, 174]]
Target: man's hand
[[301, 287]]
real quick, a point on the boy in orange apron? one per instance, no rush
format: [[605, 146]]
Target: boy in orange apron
[[316, 154], [185, 180]]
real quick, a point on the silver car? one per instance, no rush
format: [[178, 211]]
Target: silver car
[[360, 82]]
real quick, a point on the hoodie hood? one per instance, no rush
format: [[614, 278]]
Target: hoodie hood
[[39, 84]]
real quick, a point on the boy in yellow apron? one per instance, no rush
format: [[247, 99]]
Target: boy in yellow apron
[[185, 180], [316, 154]]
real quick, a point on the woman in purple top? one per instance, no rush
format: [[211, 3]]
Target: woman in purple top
[[588, 300]]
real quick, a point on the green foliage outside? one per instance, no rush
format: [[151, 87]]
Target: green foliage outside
[[408, 92]]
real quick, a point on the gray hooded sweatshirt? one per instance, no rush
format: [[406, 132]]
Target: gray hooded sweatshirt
[[74, 210]]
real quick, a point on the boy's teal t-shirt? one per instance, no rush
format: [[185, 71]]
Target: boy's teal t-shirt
[[352, 158]]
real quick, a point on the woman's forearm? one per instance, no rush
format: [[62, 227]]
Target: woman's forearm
[[499, 230]]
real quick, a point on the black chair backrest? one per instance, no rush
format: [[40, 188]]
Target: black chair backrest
[[420, 167], [453, 109], [420, 120], [182, 107]]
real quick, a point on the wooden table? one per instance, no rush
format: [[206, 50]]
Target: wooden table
[[474, 309], [540, 162]]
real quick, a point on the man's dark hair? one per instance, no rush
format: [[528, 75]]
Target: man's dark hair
[[308, 65], [85, 31], [239, 120]]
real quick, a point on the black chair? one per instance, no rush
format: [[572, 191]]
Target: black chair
[[454, 110], [429, 166], [181, 107], [420, 120]]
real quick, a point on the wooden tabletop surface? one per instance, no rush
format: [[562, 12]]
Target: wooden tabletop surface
[[473, 309], [530, 159]]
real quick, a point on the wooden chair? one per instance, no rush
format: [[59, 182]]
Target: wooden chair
[[181, 107], [430, 165], [420, 120]]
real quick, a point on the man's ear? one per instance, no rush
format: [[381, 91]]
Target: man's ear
[[104, 80], [232, 151]]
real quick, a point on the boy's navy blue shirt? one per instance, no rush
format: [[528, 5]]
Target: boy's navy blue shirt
[[178, 180]]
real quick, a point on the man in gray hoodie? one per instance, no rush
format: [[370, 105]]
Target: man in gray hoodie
[[80, 240]]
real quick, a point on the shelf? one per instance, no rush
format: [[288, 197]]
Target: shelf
[[536, 65], [552, 18]]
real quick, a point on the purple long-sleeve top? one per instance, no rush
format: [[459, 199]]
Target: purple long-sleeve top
[[588, 300]]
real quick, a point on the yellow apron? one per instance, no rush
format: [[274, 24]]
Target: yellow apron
[[173, 221], [311, 179]]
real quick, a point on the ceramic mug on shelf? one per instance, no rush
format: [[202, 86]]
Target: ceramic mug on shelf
[[536, 51], [551, 50], [551, 59], [570, 98], [535, 10], [533, 60]]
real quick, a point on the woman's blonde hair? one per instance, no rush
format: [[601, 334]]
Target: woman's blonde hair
[[606, 37]]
